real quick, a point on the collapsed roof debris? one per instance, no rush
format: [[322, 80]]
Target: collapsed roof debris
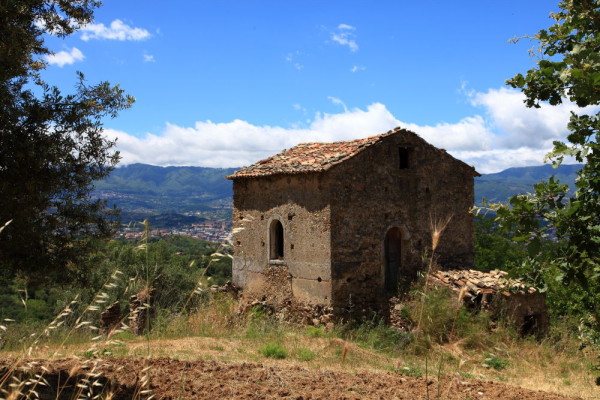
[[521, 304]]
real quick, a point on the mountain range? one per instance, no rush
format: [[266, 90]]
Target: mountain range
[[145, 190], [512, 181]]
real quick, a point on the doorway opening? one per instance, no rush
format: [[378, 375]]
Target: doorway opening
[[393, 259]]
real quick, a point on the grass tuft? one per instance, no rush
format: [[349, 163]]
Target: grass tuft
[[273, 350]]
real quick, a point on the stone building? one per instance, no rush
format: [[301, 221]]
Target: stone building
[[347, 224]]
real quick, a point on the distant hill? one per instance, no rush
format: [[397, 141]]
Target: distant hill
[[142, 188], [146, 190], [512, 181]]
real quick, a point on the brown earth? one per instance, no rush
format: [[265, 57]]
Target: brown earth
[[167, 378]]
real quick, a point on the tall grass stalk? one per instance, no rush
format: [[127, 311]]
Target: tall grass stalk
[[437, 228], [216, 256]]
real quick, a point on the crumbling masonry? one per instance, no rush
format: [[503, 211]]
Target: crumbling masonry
[[344, 225]]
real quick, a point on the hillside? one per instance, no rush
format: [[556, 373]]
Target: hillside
[[146, 190], [512, 181]]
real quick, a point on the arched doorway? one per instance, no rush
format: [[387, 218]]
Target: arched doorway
[[393, 259]]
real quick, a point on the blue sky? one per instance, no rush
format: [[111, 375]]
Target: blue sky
[[226, 83]]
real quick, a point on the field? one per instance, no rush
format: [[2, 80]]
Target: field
[[176, 379], [214, 353]]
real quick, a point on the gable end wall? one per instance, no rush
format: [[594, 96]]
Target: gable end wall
[[370, 194]]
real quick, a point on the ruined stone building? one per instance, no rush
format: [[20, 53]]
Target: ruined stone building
[[347, 224]]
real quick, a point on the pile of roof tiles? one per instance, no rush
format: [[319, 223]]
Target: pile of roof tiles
[[472, 283]]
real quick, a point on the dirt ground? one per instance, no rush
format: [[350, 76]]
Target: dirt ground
[[167, 378]]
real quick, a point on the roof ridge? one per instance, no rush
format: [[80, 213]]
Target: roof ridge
[[309, 157]]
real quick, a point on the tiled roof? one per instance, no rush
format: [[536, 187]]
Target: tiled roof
[[314, 157], [307, 157]]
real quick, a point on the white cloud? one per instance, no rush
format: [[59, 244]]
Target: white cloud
[[118, 30], [291, 58], [346, 27], [149, 58], [298, 107], [356, 68], [505, 134], [338, 102], [345, 36], [63, 58]]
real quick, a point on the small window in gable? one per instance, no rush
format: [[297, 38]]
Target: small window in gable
[[276, 240], [404, 155]]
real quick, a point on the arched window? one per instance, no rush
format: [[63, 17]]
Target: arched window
[[276, 240]]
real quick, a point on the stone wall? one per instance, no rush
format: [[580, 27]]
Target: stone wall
[[301, 204], [335, 225], [370, 194]]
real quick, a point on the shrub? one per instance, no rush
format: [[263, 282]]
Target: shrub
[[305, 354], [273, 350], [495, 362], [316, 331]]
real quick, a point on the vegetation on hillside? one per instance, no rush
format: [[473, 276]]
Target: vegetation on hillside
[[177, 265], [158, 190], [520, 180]]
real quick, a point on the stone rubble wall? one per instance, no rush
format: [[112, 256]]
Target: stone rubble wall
[[370, 194], [301, 204]]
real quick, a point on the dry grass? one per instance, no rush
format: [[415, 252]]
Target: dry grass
[[565, 371]]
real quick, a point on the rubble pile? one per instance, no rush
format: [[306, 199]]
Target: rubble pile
[[226, 288], [110, 318], [290, 310], [477, 288], [493, 291], [399, 316], [141, 310]]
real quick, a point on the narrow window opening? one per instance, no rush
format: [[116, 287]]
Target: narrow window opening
[[276, 240], [404, 157]]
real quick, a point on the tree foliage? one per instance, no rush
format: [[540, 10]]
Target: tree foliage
[[51, 145], [568, 70]]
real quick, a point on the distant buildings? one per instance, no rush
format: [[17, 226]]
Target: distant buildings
[[213, 231]]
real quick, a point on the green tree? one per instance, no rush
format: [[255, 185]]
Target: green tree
[[568, 69], [51, 145], [494, 249]]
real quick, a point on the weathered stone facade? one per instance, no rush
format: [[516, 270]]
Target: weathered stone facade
[[345, 224]]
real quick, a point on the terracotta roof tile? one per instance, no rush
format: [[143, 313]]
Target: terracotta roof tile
[[317, 157], [307, 157]]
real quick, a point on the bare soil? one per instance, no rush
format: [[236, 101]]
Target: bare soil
[[166, 378]]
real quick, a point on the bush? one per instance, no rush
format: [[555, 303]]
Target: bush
[[305, 354], [495, 362], [273, 350], [316, 331]]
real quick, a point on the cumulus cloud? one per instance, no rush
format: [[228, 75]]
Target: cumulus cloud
[[63, 58], [345, 36], [356, 68], [505, 134], [118, 30], [149, 58]]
